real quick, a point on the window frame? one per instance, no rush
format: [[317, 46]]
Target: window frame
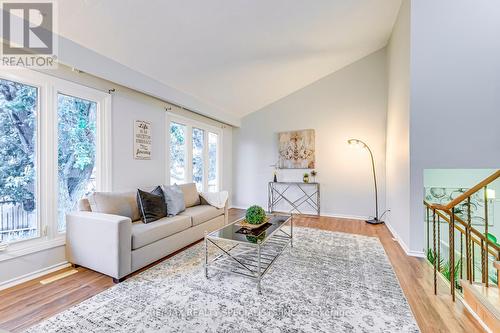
[[188, 167], [47, 150]]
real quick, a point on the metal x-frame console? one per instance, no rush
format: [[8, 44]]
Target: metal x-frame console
[[279, 191]]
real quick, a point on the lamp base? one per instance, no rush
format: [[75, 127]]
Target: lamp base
[[374, 221]]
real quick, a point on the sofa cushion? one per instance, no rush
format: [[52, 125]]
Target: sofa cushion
[[201, 213], [84, 205], [191, 195], [174, 198], [116, 203], [147, 233], [151, 205]]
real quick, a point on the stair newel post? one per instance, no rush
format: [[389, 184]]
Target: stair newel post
[[438, 244], [468, 241], [428, 235], [452, 253], [486, 277], [498, 271], [434, 249]]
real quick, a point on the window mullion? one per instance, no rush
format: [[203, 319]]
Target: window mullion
[[168, 149], [189, 153], [205, 160], [49, 178], [219, 161]]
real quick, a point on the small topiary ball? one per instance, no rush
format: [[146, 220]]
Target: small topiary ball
[[255, 215]]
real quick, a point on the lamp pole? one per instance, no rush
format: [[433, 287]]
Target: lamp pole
[[357, 141]]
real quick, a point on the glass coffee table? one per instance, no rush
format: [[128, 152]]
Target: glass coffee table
[[250, 253]]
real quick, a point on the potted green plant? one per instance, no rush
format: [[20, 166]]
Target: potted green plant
[[255, 215], [306, 178]]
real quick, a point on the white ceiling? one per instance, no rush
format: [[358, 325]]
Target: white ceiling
[[238, 55]]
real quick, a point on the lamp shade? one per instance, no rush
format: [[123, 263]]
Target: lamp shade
[[356, 143]]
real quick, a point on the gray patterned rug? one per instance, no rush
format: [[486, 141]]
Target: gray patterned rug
[[329, 282]]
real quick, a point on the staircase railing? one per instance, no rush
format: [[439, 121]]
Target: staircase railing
[[436, 213]]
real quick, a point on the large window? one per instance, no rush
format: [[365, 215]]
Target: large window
[[76, 153], [177, 153], [18, 161], [197, 162], [213, 174], [53, 151]]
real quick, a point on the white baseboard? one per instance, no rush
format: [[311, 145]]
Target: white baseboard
[[33, 275], [419, 254], [327, 214]]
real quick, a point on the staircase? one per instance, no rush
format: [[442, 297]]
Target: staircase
[[483, 302], [460, 247]]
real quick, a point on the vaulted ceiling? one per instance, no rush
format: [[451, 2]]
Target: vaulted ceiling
[[238, 55]]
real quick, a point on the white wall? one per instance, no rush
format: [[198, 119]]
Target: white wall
[[127, 173], [350, 103], [455, 99], [398, 128]]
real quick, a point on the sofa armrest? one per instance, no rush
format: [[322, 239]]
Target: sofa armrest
[[101, 242]]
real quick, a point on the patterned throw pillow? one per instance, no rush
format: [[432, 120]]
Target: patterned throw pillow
[[174, 198], [151, 205]]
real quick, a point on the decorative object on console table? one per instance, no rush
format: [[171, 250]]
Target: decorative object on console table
[[275, 172], [313, 174], [142, 140], [296, 149], [360, 144], [278, 192], [305, 178]]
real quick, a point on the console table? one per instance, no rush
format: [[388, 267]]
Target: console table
[[278, 191]]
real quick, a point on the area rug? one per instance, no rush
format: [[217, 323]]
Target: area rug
[[328, 282]]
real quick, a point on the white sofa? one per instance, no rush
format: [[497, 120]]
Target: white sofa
[[107, 236]]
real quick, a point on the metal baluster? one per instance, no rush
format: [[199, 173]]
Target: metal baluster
[[468, 244], [439, 244], [486, 235], [482, 261], [452, 253], [461, 256], [434, 249], [473, 267]]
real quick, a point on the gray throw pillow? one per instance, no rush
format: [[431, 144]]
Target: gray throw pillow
[[174, 198]]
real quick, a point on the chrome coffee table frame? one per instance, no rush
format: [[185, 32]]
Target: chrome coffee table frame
[[246, 258]]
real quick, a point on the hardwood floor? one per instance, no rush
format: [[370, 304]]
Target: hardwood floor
[[32, 302]]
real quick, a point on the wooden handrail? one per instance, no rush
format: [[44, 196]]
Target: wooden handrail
[[468, 193]]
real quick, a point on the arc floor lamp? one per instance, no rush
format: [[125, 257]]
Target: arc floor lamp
[[361, 144]]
